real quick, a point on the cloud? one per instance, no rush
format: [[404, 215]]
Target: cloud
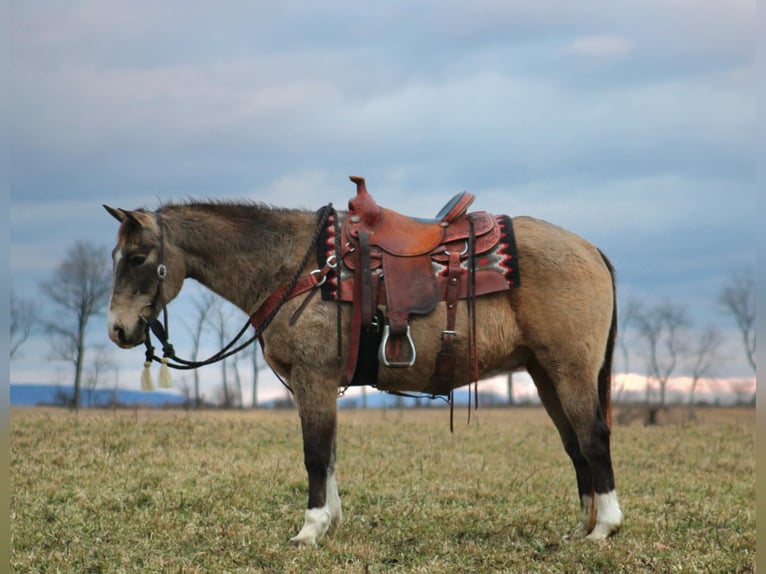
[[608, 47], [398, 94]]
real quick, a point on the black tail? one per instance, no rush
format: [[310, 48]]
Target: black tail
[[605, 374]]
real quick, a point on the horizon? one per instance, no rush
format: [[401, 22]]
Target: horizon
[[710, 388]]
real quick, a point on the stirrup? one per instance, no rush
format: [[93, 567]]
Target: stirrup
[[382, 351]]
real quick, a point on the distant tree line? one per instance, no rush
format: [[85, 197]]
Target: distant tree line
[[672, 347]]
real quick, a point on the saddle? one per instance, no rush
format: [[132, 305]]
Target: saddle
[[406, 266]]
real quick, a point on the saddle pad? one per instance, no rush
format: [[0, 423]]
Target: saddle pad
[[486, 236]]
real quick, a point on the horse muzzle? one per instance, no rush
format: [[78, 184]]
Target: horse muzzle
[[125, 338]]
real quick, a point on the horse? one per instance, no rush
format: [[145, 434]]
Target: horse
[[559, 324]]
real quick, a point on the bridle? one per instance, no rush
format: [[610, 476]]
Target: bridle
[[277, 300]]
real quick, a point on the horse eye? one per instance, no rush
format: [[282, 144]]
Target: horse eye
[[136, 260]]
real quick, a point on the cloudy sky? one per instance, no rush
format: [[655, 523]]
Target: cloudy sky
[[631, 123]]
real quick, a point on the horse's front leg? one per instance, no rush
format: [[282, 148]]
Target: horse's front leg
[[317, 405]]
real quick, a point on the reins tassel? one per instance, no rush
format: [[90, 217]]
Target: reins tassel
[[165, 382], [146, 377], [146, 374]]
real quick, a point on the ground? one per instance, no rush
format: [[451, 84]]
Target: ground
[[213, 491]]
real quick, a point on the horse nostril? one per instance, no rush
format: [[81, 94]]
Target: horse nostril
[[120, 332]]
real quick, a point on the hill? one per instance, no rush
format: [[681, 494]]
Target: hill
[[28, 395]]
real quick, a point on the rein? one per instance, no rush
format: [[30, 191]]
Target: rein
[[160, 329]]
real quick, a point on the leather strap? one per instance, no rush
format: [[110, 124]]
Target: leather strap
[[364, 277], [441, 381], [473, 360], [356, 322], [305, 283]]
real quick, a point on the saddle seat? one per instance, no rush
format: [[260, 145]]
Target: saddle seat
[[400, 234], [403, 236]]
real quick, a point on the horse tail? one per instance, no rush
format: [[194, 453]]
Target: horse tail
[[605, 374]]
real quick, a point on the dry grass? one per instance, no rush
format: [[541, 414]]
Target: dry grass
[[147, 491]]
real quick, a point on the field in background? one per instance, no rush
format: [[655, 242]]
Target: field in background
[[171, 491]]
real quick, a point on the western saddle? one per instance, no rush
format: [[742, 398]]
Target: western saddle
[[407, 265]]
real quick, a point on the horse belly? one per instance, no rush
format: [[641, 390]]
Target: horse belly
[[498, 344]]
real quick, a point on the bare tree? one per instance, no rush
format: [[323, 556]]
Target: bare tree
[[628, 316], [101, 363], [79, 288], [23, 321], [237, 380], [704, 354], [203, 304], [257, 366], [185, 388], [738, 300], [220, 320], [742, 388], [662, 328]]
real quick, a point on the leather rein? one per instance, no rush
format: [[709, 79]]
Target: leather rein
[[260, 319]]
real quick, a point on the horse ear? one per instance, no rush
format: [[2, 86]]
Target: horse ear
[[139, 218], [118, 214]]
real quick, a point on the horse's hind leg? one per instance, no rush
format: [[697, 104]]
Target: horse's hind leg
[[318, 412], [552, 406], [576, 412]]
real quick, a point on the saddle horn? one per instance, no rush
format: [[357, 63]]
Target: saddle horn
[[363, 205]]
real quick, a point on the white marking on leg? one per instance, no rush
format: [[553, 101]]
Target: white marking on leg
[[608, 516], [333, 500], [315, 526], [320, 520]]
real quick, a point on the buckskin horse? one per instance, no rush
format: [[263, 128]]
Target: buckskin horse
[[417, 306]]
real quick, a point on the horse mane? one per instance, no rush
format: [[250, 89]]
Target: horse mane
[[225, 206], [244, 225]]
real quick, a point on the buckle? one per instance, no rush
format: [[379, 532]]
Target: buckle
[[322, 280]]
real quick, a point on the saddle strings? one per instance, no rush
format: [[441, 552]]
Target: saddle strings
[[473, 361], [161, 332], [338, 294]]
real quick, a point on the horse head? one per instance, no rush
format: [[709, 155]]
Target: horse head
[[148, 272]]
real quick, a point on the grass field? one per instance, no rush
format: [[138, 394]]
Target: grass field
[[170, 491]]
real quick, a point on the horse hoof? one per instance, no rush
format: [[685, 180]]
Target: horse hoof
[[302, 541], [602, 532], [580, 531]]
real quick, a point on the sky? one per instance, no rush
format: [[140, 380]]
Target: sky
[[630, 123]]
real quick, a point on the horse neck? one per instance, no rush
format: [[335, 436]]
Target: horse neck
[[241, 252]]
